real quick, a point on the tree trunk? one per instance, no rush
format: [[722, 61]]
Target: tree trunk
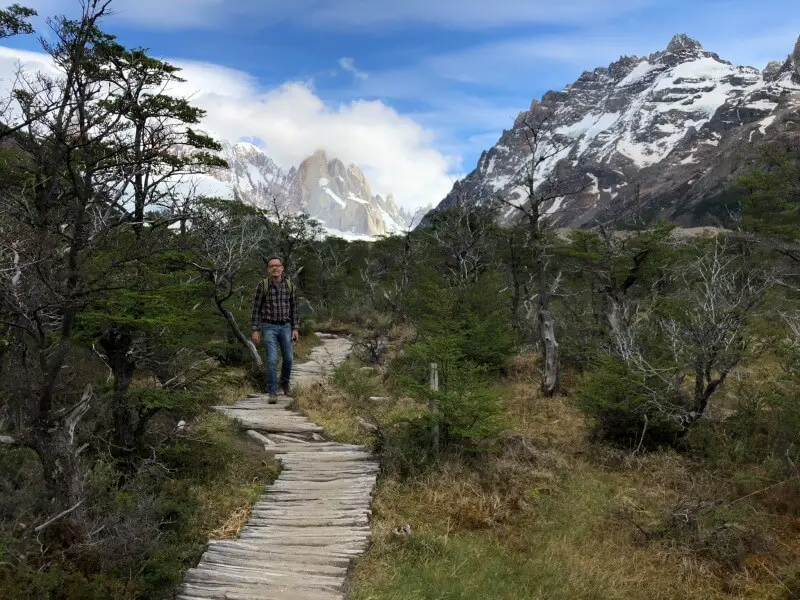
[[704, 387], [62, 472], [117, 346], [53, 443], [550, 379], [251, 347]]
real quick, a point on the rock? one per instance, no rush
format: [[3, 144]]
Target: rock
[[402, 530], [772, 69], [338, 196], [366, 426], [683, 43], [642, 129]]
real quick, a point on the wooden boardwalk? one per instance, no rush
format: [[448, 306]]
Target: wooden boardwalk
[[309, 524]]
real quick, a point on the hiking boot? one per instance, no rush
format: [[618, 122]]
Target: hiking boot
[[286, 388], [273, 399]]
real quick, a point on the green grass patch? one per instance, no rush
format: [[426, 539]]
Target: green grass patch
[[569, 544]]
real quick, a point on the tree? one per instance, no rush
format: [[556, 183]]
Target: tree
[[330, 261], [64, 210], [225, 238], [615, 271], [135, 327], [700, 332], [771, 204], [288, 236], [463, 236], [54, 225], [538, 184], [14, 21], [157, 145]]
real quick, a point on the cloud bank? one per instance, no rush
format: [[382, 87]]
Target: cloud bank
[[291, 122]]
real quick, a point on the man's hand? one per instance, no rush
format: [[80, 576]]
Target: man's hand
[[256, 337], [295, 335]]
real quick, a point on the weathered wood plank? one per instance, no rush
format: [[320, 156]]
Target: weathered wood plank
[[306, 527]]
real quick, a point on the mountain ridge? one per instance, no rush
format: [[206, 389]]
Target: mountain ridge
[[667, 132], [338, 196]]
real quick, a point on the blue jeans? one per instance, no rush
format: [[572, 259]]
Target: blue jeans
[[274, 336]]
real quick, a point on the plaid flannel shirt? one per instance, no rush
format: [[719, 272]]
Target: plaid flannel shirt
[[278, 304]]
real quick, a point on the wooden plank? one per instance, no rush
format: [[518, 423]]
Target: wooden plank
[[307, 526]]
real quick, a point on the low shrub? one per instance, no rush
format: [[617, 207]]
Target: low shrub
[[622, 409]]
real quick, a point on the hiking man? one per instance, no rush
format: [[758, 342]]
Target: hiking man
[[275, 317]]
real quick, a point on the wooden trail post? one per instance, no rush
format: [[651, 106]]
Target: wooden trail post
[[433, 408]]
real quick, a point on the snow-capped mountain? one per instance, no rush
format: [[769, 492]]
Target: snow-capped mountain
[[253, 175], [339, 197], [664, 135], [342, 199]]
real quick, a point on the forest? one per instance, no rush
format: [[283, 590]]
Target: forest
[[617, 413]]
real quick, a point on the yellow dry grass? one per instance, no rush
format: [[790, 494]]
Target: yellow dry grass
[[555, 516]]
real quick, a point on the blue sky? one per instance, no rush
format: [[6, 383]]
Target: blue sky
[[413, 90]]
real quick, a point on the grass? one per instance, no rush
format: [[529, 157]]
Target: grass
[[565, 548], [552, 515], [303, 347], [329, 407]]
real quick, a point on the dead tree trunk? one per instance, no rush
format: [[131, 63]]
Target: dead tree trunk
[[247, 343], [53, 441], [550, 377]]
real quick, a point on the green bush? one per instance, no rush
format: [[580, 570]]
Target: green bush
[[207, 453], [469, 411], [467, 332], [763, 430], [357, 385], [726, 534], [469, 324], [622, 409], [405, 447]]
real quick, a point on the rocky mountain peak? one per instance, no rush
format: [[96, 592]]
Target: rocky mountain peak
[[789, 69], [773, 68], [337, 196], [682, 49], [319, 160], [619, 69], [671, 129], [357, 173], [682, 43], [795, 60]]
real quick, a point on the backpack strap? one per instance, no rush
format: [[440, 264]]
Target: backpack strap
[[265, 283]]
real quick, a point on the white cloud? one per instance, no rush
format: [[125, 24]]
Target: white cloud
[[348, 64], [397, 154]]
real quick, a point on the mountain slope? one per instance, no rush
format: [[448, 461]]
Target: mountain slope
[[661, 135], [339, 197]]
